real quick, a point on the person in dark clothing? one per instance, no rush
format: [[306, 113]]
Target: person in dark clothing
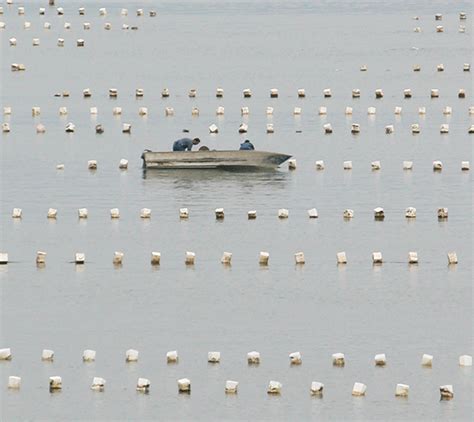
[[247, 146], [185, 144]]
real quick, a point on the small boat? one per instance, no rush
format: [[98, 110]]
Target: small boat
[[241, 159]]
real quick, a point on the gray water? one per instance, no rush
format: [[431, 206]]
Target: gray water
[[319, 308]]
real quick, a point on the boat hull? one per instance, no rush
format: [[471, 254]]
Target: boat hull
[[213, 160]]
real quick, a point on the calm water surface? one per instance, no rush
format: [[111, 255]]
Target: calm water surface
[[317, 309]]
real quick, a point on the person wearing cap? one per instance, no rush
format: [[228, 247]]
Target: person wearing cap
[[185, 144], [246, 146]]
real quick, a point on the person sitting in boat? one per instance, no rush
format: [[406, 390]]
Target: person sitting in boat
[[185, 144], [246, 146]]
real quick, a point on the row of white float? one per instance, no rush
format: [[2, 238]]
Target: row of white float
[[226, 259], [82, 11], [243, 127]]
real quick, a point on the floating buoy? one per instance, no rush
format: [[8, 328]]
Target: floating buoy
[[380, 359], [123, 164], [378, 93], [16, 213], [86, 26], [231, 387], [439, 28], [253, 358], [117, 111], [347, 165], [155, 258], [415, 128], [320, 165], [417, 29], [244, 111], [440, 68], [426, 360], [327, 93], [356, 93], [355, 128], [14, 382], [465, 165], [377, 257], [447, 392], [402, 390], [60, 42], [62, 111], [79, 258], [398, 110], [5, 354], [437, 165], [462, 15], [452, 258], [447, 110], [442, 213], [40, 258], [376, 165], [274, 93], [8, 110], [465, 360], [183, 213], [81, 11], [389, 129], [226, 258], [47, 25], [52, 213], [438, 16], [444, 128], [219, 212], [145, 213], [27, 25], [421, 111], [108, 26], [214, 357], [292, 164], [338, 359], [99, 129], [139, 12], [471, 129], [295, 358], [348, 111], [3, 261], [359, 389], [461, 93], [124, 12], [297, 111], [172, 356], [408, 165], [363, 68], [12, 42], [243, 128], [270, 128], [194, 111], [416, 68], [113, 92], [219, 92], [118, 258], [301, 93], [126, 128], [92, 164], [143, 385], [252, 215], [283, 213], [88, 355], [348, 213], [316, 388], [220, 111], [98, 384], [131, 355], [410, 212], [192, 93], [327, 128], [274, 387], [435, 93], [247, 93], [93, 110], [190, 258], [407, 93], [80, 42], [299, 258], [55, 383], [371, 111], [184, 385], [21, 10], [263, 258], [142, 111], [82, 212], [466, 67], [313, 213], [341, 258]]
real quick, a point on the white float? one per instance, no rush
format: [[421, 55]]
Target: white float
[[270, 128], [114, 213], [462, 93], [40, 257], [131, 355], [263, 258], [194, 111], [408, 165], [12, 42], [380, 359], [253, 358], [60, 42], [359, 389], [252, 214], [327, 128], [80, 42], [226, 258], [327, 93], [118, 258], [113, 92], [88, 355], [465, 165], [219, 213], [297, 111], [348, 213], [415, 128], [316, 388], [347, 165], [214, 357], [341, 258], [243, 128], [440, 68], [247, 93], [299, 258], [184, 385], [92, 164], [14, 382], [52, 213], [338, 359], [86, 26], [231, 387], [274, 93], [377, 257], [444, 128], [123, 164], [16, 213], [295, 358], [446, 392], [378, 93], [142, 111], [440, 28], [442, 213], [117, 111], [220, 111], [437, 165], [98, 384], [426, 360], [219, 93], [145, 213], [434, 93], [348, 111], [371, 111], [323, 111], [465, 360], [376, 165], [172, 356], [126, 128], [40, 128], [5, 354], [143, 385], [79, 258], [389, 129], [313, 213], [410, 212], [283, 213], [398, 110], [355, 128], [244, 111], [93, 110], [55, 383], [301, 93], [190, 258], [155, 258], [5, 127], [402, 390], [292, 164], [274, 387], [356, 93], [407, 93], [320, 165], [452, 258], [183, 213], [82, 212], [447, 110], [8, 110]]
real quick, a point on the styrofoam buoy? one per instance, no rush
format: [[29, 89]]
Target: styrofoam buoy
[[3, 258], [86, 26], [452, 258], [440, 67], [465, 360], [355, 128], [462, 93], [376, 165], [219, 92], [253, 358], [70, 128], [338, 359], [270, 128], [27, 25], [440, 28], [114, 213], [327, 128], [194, 111], [437, 165], [5, 354], [81, 11], [192, 93], [40, 128], [371, 111], [139, 12], [273, 93], [8, 110], [462, 15], [12, 42], [80, 42], [152, 13], [378, 93], [5, 127], [283, 213], [214, 357], [301, 93], [145, 213], [62, 111], [389, 129], [320, 165], [444, 128], [220, 111], [341, 258], [88, 355], [263, 258], [172, 356], [446, 392], [190, 258], [252, 214], [107, 26], [155, 258], [143, 385], [213, 128], [16, 213], [169, 111], [426, 360], [447, 110], [118, 258], [123, 164], [183, 213], [356, 93], [410, 212], [131, 355], [421, 112], [52, 213], [60, 42], [299, 258], [55, 383], [219, 213], [292, 164], [347, 165], [274, 387], [244, 111], [434, 93], [98, 384], [231, 387], [380, 359], [348, 213], [143, 111], [297, 111], [415, 128], [402, 390], [79, 258], [442, 213], [316, 388], [465, 165], [313, 213], [124, 12], [247, 93], [99, 129], [348, 111], [466, 67], [126, 128], [416, 68], [113, 92], [117, 111], [21, 10], [226, 258], [92, 164], [184, 385], [327, 93], [398, 110], [93, 110], [40, 257], [82, 212], [408, 165], [14, 382], [295, 358], [139, 92], [407, 93], [471, 129], [377, 257], [359, 389]]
